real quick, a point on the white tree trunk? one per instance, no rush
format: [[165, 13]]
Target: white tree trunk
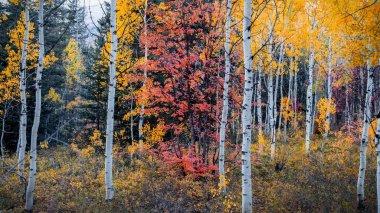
[[111, 106], [222, 133], [314, 111], [259, 102], [278, 73], [329, 92], [141, 118], [271, 115], [22, 76], [377, 145], [267, 123], [363, 145], [309, 96], [281, 97], [246, 111], [254, 91], [5, 112], [37, 111], [271, 110]]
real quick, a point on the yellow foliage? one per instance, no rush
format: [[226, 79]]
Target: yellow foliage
[[9, 80], [74, 148], [3, 17], [50, 59], [133, 148], [53, 96], [261, 139], [95, 139], [372, 129], [155, 135], [287, 108], [324, 107], [224, 184], [76, 184], [88, 151], [73, 62], [44, 144], [76, 102]]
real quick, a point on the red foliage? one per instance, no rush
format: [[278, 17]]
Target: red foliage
[[184, 62], [183, 162]]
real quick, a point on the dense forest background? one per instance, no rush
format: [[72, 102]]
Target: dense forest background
[[198, 88]]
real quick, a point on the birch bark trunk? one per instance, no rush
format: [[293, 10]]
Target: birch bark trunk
[[271, 106], [37, 111], [363, 145], [22, 76], [377, 145], [246, 111], [329, 92], [222, 133], [142, 110], [2, 133], [259, 102], [309, 96], [111, 106]]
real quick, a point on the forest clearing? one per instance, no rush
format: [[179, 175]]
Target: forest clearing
[[190, 106]]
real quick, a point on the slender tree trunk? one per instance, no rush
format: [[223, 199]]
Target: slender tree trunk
[[131, 123], [111, 106], [142, 110], [259, 102], [267, 123], [329, 93], [271, 110], [281, 97], [246, 111], [363, 145], [254, 91], [275, 94], [377, 145], [18, 144], [37, 110], [2, 132], [278, 73], [270, 115], [314, 111], [222, 133], [23, 115], [309, 96]]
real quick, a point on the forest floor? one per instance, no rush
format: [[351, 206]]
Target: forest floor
[[69, 182]]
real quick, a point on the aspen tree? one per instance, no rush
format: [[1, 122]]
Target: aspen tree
[[364, 141], [329, 90], [246, 111], [111, 105], [141, 118], [271, 109], [223, 122], [309, 95], [37, 110], [259, 102], [377, 145], [22, 76]]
